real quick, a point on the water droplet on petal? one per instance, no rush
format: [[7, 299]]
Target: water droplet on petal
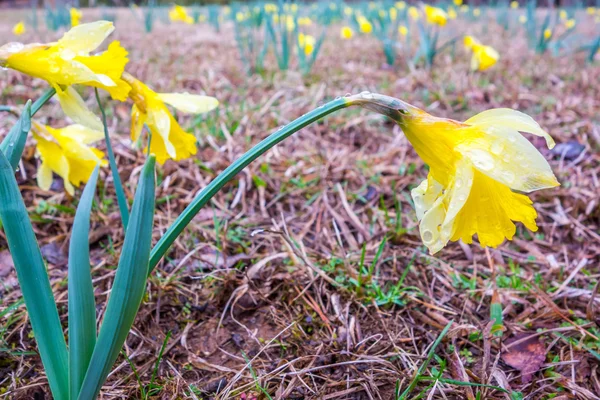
[[497, 147], [458, 183], [481, 159], [13, 47], [67, 54], [427, 236]]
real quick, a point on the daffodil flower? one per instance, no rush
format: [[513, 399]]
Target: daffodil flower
[[19, 28], [364, 25], [179, 13], [413, 13], [435, 15], [169, 140], [484, 57], [67, 153], [75, 16], [306, 43], [346, 32], [68, 62], [477, 171], [514, 4]]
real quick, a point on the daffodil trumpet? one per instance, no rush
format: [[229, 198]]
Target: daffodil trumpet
[[478, 171]]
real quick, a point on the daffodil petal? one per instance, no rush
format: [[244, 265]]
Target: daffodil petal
[[159, 121], [425, 195], [44, 176], [189, 103], [74, 107], [509, 118], [53, 160], [138, 120], [505, 155], [490, 211], [85, 38], [82, 134]]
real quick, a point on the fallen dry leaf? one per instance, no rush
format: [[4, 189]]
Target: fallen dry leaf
[[6, 263], [527, 355]]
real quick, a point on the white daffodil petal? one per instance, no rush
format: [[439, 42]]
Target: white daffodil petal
[[430, 226], [189, 103], [74, 107], [506, 156], [85, 38], [506, 117], [82, 134], [425, 195]]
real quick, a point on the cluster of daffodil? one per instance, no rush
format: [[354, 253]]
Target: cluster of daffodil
[[69, 62], [484, 57]]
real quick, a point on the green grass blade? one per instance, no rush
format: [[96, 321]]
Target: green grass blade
[[14, 143], [34, 282], [128, 287], [230, 172], [82, 307], [423, 367], [121, 198]]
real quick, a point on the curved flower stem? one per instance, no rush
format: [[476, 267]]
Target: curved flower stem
[[121, 199], [35, 107], [230, 172]]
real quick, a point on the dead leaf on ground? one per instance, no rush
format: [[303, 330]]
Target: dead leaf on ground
[[527, 355], [6, 263]]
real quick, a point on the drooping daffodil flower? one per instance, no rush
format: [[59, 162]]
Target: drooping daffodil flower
[[68, 62], [435, 15], [484, 57], [180, 14], [168, 140], [76, 16], [478, 170], [19, 28], [67, 153]]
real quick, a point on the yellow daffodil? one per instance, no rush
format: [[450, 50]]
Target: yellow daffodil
[[393, 14], [435, 15], [382, 14], [547, 33], [271, 8], [68, 62], [289, 23], [464, 8], [75, 16], [306, 43], [562, 14], [452, 13], [364, 25], [458, 3], [476, 168], [226, 10], [484, 57], [400, 5], [19, 28], [348, 11], [476, 12], [402, 30], [294, 8], [168, 140], [522, 19], [413, 13], [67, 153], [514, 4], [570, 23], [239, 17], [180, 14], [346, 33], [590, 10], [304, 21]]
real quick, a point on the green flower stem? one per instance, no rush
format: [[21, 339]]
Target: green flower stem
[[230, 172], [35, 107], [121, 198]]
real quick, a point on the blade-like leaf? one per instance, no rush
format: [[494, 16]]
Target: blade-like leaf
[[128, 287], [82, 308], [13, 144], [34, 282]]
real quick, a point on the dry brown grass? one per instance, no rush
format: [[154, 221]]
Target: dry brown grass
[[227, 295]]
